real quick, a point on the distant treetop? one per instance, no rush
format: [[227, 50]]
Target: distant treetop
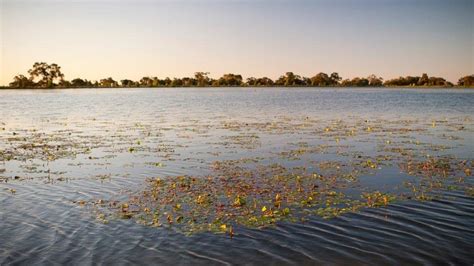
[[44, 75]]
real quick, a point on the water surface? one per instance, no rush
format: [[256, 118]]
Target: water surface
[[63, 149]]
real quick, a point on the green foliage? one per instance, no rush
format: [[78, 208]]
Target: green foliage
[[324, 80], [80, 83], [21, 81], [202, 79], [424, 80], [108, 83], [229, 80], [466, 81], [129, 83], [290, 80], [44, 75], [260, 82]]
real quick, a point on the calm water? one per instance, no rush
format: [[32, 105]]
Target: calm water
[[60, 147]]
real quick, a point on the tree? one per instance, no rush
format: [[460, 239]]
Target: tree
[[356, 82], [64, 84], [21, 81], [335, 78], [176, 82], [77, 82], [436, 81], [188, 82], [265, 82], [108, 83], [46, 73], [289, 80], [146, 82], [167, 82], [155, 82], [231, 80], [259, 82], [403, 81], [129, 83], [466, 81], [252, 82], [375, 81], [346, 83], [202, 79], [323, 80], [424, 80]]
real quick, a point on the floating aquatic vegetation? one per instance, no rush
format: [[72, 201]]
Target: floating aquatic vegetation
[[238, 196], [246, 193], [283, 169], [246, 141]]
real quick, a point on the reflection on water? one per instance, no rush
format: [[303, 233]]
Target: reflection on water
[[70, 158]]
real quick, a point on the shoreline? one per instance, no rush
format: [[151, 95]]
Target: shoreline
[[248, 87]]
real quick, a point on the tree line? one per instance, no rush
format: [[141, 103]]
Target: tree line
[[43, 75]]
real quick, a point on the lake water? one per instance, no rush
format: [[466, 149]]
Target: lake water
[[77, 168]]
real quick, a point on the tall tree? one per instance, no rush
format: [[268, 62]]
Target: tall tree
[[423, 80], [335, 78], [46, 74], [202, 79], [375, 81]]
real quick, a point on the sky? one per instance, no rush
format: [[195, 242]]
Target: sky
[[135, 38]]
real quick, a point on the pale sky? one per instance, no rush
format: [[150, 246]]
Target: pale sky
[[136, 38]]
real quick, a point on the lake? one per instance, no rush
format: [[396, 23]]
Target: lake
[[237, 176]]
